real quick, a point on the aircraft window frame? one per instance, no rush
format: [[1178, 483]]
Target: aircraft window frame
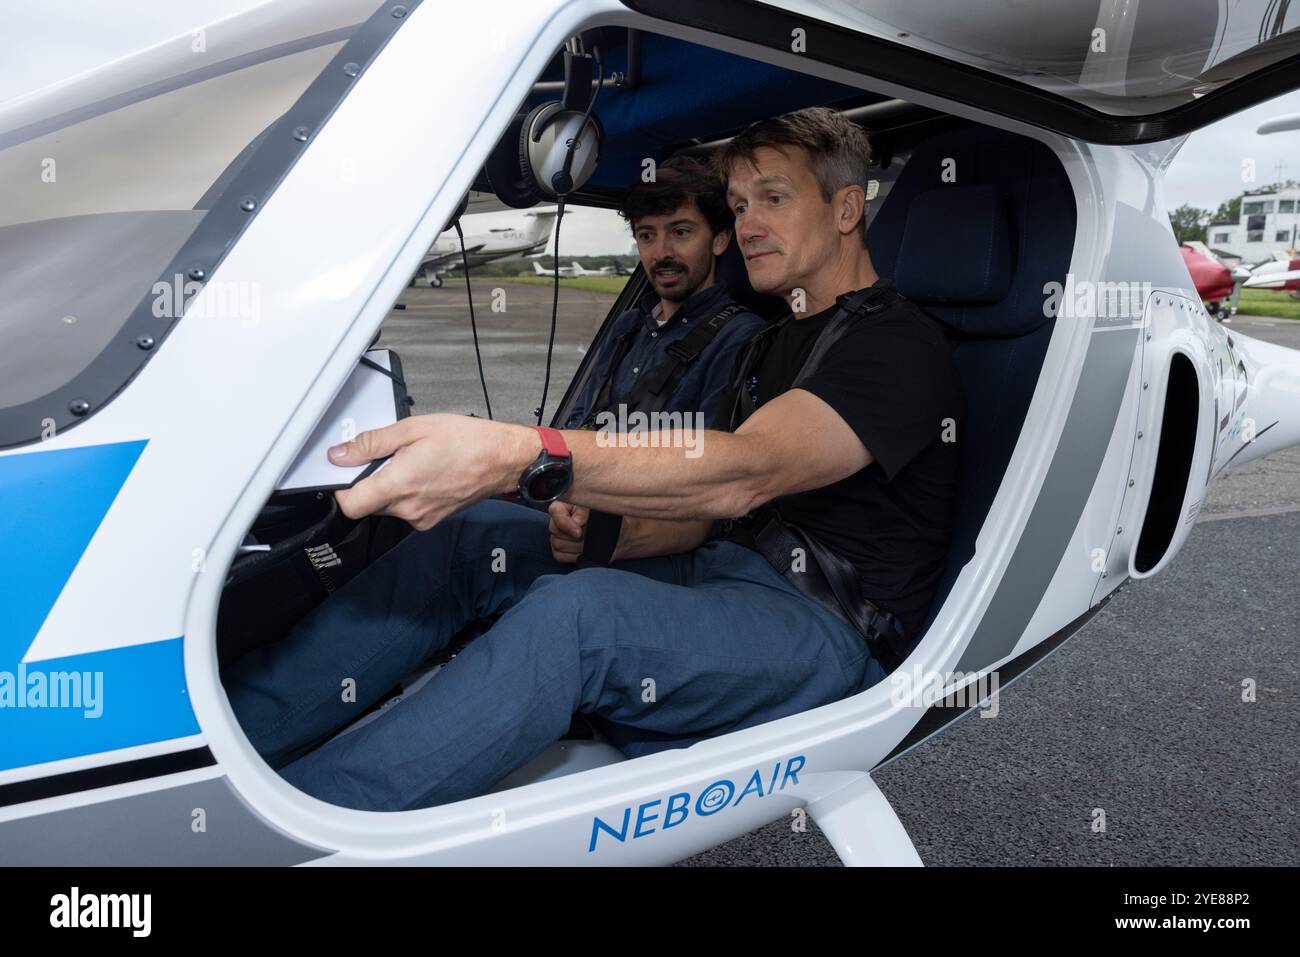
[[911, 68], [257, 172]]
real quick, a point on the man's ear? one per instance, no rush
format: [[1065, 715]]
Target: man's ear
[[720, 241], [850, 207]]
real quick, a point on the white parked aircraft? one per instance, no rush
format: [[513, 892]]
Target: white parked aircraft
[[602, 271], [1275, 274], [153, 398], [487, 244], [574, 270], [565, 272]]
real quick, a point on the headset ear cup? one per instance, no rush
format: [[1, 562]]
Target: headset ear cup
[[596, 133], [596, 125], [502, 170], [527, 155]]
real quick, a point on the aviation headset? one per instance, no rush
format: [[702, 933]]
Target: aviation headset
[[544, 154], [553, 149]]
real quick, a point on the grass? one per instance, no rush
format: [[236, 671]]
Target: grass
[[610, 284], [1261, 302]]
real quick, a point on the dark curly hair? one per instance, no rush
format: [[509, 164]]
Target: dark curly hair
[[679, 181]]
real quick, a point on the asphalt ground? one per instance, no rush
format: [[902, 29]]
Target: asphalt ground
[[1130, 745]]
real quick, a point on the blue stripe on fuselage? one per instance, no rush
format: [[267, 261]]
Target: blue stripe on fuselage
[[51, 504]]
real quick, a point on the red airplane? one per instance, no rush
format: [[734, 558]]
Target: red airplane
[[1213, 280]]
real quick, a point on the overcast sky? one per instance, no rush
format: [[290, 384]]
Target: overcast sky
[[44, 41], [1209, 168]]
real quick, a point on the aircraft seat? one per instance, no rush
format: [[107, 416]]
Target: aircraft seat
[[975, 252]]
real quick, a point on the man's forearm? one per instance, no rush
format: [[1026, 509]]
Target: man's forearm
[[441, 463], [648, 537], [714, 475]]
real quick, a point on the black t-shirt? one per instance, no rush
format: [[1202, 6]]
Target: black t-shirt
[[892, 379]]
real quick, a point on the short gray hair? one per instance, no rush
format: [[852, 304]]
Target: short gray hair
[[839, 151]]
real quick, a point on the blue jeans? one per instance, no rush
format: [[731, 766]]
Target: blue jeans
[[666, 651]]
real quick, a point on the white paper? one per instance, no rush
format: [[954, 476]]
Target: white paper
[[365, 402]]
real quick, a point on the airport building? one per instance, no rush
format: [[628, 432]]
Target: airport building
[[1269, 223]]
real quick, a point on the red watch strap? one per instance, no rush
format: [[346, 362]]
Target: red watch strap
[[552, 441]]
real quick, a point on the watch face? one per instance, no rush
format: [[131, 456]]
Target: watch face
[[550, 481]]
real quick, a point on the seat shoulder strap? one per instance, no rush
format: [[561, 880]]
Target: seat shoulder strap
[[741, 404], [653, 390], [853, 308]]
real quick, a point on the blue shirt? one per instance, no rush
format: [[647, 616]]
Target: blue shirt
[[700, 389]]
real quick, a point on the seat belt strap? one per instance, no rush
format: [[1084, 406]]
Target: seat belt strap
[[831, 582], [742, 403], [603, 528], [853, 306], [600, 401], [652, 391]]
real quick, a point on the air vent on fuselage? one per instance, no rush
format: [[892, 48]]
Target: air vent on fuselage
[[1173, 465]]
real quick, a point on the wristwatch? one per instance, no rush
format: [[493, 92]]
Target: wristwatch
[[549, 475]]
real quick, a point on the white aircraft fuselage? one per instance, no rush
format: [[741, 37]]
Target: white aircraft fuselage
[[288, 260]]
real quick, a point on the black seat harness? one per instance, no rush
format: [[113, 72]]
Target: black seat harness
[[649, 395], [823, 576], [652, 391]]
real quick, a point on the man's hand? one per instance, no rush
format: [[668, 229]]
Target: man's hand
[[568, 530], [440, 464]]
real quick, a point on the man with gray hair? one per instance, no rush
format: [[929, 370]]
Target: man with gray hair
[[787, 567]]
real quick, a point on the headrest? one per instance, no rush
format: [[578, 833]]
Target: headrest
[[978, 221], [957, 247]]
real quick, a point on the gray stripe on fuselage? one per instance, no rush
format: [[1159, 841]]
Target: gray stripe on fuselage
[[154, 828], [1056, 513]]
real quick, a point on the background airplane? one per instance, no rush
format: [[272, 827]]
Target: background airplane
[[484, 246], [566, 272], [1219, 280], [1282, 273], [576, 269]]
